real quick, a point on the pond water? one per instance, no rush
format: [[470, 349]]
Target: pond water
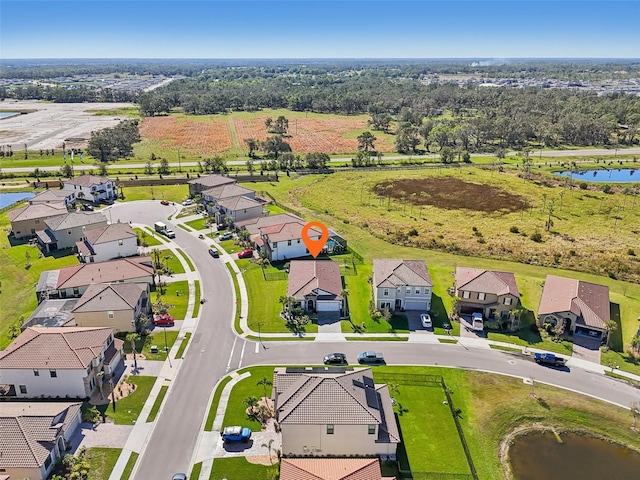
[[539, 456], [8, 114], [613, 176], [7, 199]]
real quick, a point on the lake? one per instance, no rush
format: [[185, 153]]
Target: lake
[[622, 175], [7, 199], [539, 455], [8, 114]]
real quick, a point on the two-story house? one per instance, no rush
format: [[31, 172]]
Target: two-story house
[[64, 231], [91, 188], [494, 294], [333, 412], [54, 196], [284, 241], [331, 469], [59, 362], [401, 284], [197, 185], [107, 242], [116, 305], [231, 200], [27, 220]]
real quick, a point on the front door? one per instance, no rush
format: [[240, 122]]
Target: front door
[[398, 304], [310, 305]]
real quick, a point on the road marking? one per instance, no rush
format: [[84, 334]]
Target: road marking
[[244, 344], [257, 347], [231, 354]]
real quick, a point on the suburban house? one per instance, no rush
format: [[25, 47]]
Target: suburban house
[[401, 284], [583, 307], [53, 196], [63, 231], [26, 221], [334, 412], [231, 200], [107, 242], [55, 312], [494, 294], [73, 281], [197, 185], [91, 188], [34, 437], [253, 225], [331, 469], [317, 285], [284, 241], [116, 305], [59, 362]]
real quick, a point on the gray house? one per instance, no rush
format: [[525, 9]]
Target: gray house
[[494, 294], [401, 284], [63, 231]]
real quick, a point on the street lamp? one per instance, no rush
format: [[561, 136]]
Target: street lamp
[[166, 347]]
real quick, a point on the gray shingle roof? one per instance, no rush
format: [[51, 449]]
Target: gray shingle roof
[[486, 281], [392, 273], [38, 210], [87, 180], [104, 297], [75, 219], [109, 233]]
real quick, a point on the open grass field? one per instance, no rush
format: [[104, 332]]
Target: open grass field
[[102, 461]]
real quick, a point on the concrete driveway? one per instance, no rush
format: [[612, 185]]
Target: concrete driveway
[[586, 348]]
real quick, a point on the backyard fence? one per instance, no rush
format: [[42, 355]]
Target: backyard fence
[[415, 379], [274, 276]]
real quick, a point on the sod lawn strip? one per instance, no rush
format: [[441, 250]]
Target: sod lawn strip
[[102, 461]]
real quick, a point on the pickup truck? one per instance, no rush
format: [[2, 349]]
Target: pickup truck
[[370, 357], [236, 434], [548, 359]]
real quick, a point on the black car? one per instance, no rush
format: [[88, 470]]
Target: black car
[[335, 358], [214, 253], [87, 208]]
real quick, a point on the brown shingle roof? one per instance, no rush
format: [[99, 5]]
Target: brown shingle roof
[[87, 180], [253, 225], [330, 469], [288, 231], [38, 210], [104, 272], [104, 297], [109, 233], [486, 281], [394, 273], [311, 276], [29, 431], [588, 301], [239, 203], [229, 190], [55, 347], [75, 219]]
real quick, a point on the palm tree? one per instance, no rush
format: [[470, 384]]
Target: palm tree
[[345, 295], [610, 326], [268, 447], [264, 381], [133, 338], [100, 378]]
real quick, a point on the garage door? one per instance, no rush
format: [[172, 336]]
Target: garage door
[[416, 305], [328, 306]]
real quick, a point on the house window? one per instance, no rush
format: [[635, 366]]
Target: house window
[[110, 314], [507, 300], [76, 291], [408, 290], [37, 221], [288, 243], [465, 295], [329, 429], [120, 242], [385, 292], [417, 291], [23, 389], [91, 260], [426, 291], [36, 373], [372, 430], [481, 296], [53, 373], [47, 462]]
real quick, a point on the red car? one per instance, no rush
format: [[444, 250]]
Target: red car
[[164, 202], [246, 253], [164, 320]]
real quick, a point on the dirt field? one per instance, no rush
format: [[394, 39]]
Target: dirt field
[[451, 193], [51, 124]]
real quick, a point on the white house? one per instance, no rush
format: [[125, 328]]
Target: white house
[[34, 437], [59, 362], [316, 284], [91, 188], [284, 241], [63, 231], [54, 196], [107, 242], [401, 284]]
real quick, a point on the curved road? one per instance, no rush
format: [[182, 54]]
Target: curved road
[[215, 349]]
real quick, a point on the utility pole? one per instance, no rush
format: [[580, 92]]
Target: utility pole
[[166, 347], [260, 337]]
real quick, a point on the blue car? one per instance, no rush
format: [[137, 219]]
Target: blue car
[[236, 434]]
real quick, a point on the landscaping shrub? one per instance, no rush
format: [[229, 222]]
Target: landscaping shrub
[[536, 237], [514, 229]]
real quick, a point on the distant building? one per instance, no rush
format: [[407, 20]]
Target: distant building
[[91, 188]]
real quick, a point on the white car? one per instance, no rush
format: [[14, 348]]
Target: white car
[[187, 202], [425, 319]]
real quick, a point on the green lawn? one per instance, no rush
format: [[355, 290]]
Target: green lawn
[[236, 289], [199, 224], [158, 403], [186, 259], [211, 416], [177, 295], [196, 306], [143, 345], [172, 193], [128, 469], [236, 410], [170, 259], [183, 345], [156, 235], [128, 408], [239, 469], [230, 247], [102, 461], [195, 472], [148, 239]]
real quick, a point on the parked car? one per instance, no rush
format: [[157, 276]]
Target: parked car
[[187, 202], [425, 320], [477, 322], [370, 357], [87, 208], [236, 434], [164, 320], [548, 359], [222, 226], [246, 253], [226, 236], [214, 253], [335, 358], [164, 202], [179, 476]]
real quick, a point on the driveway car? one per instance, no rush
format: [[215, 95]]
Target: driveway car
[[164, 202], [370, 357], [179, 476], [246, 253], [335, 358], [164, 320], [187, 202], [236, 434], [87, 208], [425, 320], [214, 252], [226, 236]]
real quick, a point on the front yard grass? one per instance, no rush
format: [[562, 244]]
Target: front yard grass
[[177, 295], [199, 223], [172, 262], [146, 238], [236, 410], [128, 469], [239, 469], [102, 461], [128, 409], [144, 343]]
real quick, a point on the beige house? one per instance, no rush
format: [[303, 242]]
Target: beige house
[[317, 285], [238, 209], [583, 307], [117, 305], [197, 185], [331, 469], [333, 412], [401, 284], [494, 294], [26, 221], [33, 437]]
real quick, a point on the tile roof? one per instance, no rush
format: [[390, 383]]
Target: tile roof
[[393, 273], [330, 469], [588, 301], [309, 277], [75, 219], [103, 297], [117, 270], [29, 431], [211, 181], [87, 180], [253, 225], [487, 281], [109, 233], [55, 347], [38, 210]]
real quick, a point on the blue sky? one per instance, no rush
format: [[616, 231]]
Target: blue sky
[[319, 29]]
